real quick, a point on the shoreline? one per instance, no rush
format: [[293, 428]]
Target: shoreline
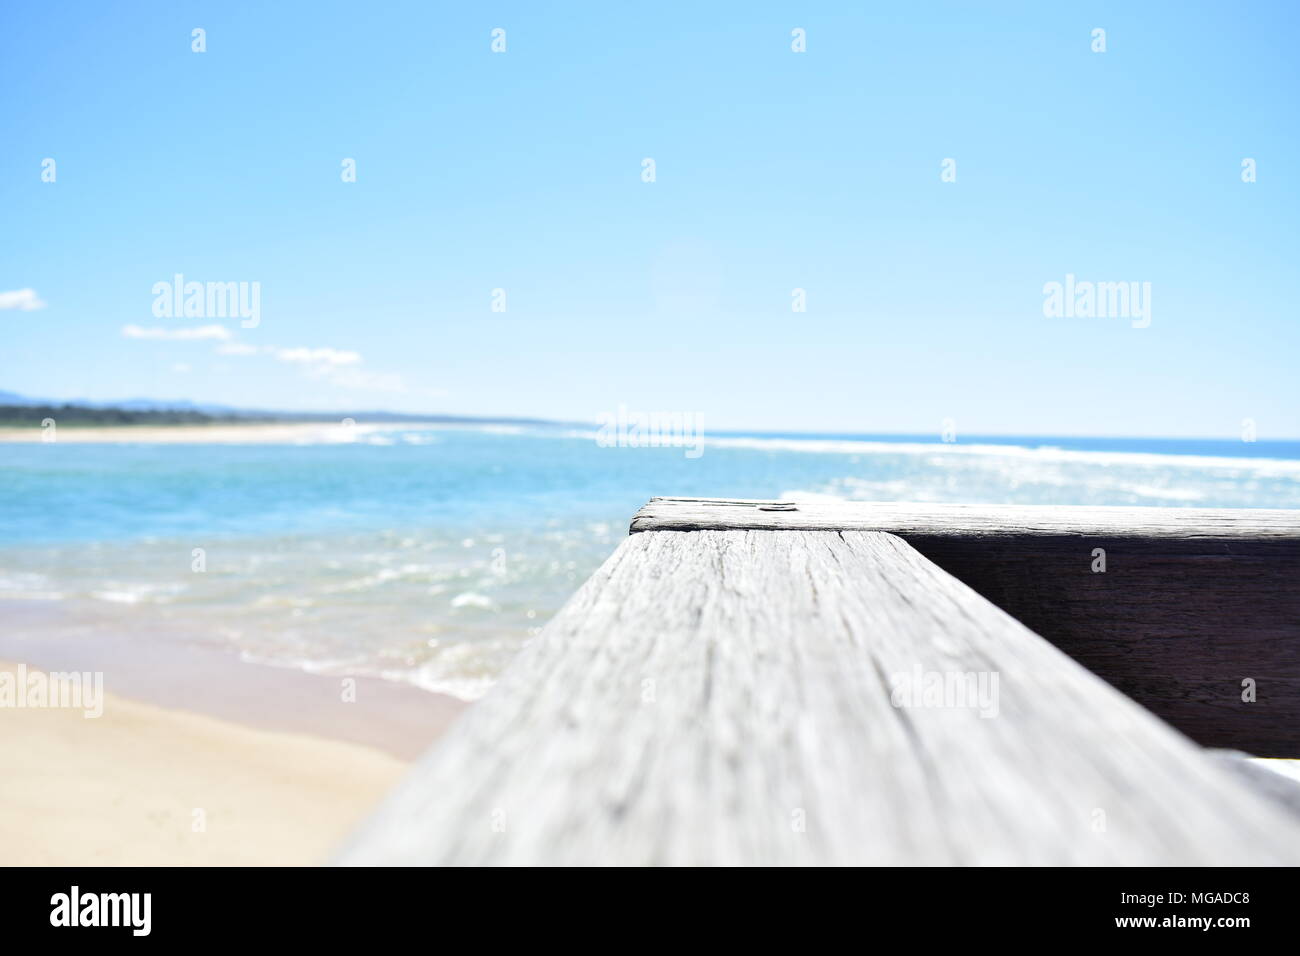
[[255, 433], [401, 720]]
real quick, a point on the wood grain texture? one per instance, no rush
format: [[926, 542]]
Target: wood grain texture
[[1277, 529], [724, 697], [1192, 602]]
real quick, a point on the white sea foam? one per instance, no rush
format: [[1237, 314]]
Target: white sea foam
[[800, 495], [996, 477], [119, 597], [138, 593], [442, 679], [28, 586], [472, 599], [940, 452], [1040, 453]]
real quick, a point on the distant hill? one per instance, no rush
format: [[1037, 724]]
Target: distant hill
[[20, 411], [31, 415]]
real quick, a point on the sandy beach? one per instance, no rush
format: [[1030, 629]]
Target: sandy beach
[[267, 433], [144, 784]]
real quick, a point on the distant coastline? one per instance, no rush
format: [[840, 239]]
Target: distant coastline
[[238, 432], [144, 420], [31, 416]]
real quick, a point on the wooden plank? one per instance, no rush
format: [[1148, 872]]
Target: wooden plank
[[1192, 602], [728, 697], [1271, 530], [1275, 784]]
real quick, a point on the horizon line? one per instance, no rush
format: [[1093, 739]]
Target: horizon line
[[187, 405]]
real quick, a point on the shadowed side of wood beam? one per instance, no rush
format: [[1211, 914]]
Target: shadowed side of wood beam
[[761, 697], [1196, 611]]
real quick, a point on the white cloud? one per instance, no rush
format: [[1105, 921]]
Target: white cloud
[[321, 357], [181, 334], [337, 367], [24, 300], [181, 368], [315, 359], [366, 380]]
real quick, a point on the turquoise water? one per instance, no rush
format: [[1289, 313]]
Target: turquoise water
[[431, 555]]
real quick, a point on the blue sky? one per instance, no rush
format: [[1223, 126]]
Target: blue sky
[[774, 170]]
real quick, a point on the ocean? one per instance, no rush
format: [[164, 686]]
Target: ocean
[[431, 555]]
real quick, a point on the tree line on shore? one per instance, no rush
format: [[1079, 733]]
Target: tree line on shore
[[31, 416]]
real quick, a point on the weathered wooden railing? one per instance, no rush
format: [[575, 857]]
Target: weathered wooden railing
[[745, 683], [1191, 604]]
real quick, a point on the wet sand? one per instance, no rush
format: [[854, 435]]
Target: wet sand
[[399, 719]]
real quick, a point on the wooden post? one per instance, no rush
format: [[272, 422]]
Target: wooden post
[[808, 696]]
